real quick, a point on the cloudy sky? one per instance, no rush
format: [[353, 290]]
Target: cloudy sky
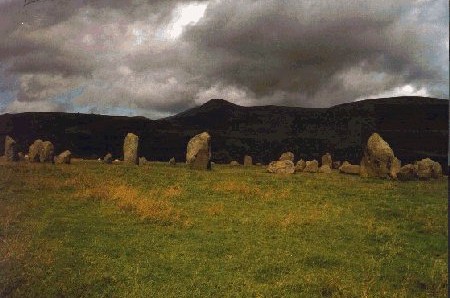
[[159, 57]]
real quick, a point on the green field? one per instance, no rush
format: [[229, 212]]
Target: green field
[[96, 230]]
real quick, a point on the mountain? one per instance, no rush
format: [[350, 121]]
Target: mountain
[[415, 127]]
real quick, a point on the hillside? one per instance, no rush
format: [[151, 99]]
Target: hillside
[[415, 127]]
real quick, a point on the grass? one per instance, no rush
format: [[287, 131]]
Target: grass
[[96, 230]]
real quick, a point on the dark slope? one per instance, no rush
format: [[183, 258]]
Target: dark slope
[[415, 127]]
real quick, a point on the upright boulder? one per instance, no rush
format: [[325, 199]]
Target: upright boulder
[[21, 156], [10, 149], [348, 168], [47, 152], [248, 161], [64, 158], [378, 158], [35, 151], [108, 158], [311, 166], [287, 156], [199, 147], [395, 168], [202, 160], [130, 149], [172, 161], [281, 167], [427, 168], [326, 160], [300, 165]]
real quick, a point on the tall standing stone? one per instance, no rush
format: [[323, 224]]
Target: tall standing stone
[[34, 152], [248, 161], [130, 148], [47, 152], [326, 160], [378, 159], [198, 151], [11, 149]]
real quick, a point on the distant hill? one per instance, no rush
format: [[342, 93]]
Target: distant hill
[[415, 127]]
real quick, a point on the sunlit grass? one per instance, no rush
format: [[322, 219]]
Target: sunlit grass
[[90, 229]]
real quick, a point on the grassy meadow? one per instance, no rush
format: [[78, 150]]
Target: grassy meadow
[[96, 230]]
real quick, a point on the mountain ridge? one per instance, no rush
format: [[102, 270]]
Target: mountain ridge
[[415, 127]]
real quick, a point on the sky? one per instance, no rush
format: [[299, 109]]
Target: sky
[[155, 58]]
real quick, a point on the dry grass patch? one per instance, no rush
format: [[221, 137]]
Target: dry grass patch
[[214, 209]]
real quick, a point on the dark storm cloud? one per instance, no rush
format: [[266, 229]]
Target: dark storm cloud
[[124, 55]]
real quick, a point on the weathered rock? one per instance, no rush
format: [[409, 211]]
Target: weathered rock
[[281, 167], [35, 151], [336, 164], [427, 168], [202, 160], [234, 163], [258, 164], [172, 161], [325, 169], [378, 158], [287, 156], [130, 149], [143, 161], [326, 160], [407, 172], [348, 168], [10, 149], [200, 142], [312, 166], [47, 152], [108, 158], [395, 168], [64, 158], [248, 161], [300, 166]]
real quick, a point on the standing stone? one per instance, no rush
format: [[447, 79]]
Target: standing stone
[[11, 149], [248, 161], [348, 168], [427, 168], [64, 157], [202, 160], [326, 160], [172, 161], [407, 172], [130, 149], [142, 161], [300, 166], [108, 158], [378, 158], [336, 164], [325, 169], [312, 166], [199, 143], [287, 156], [281, 167], [35, 151], [47, 152]]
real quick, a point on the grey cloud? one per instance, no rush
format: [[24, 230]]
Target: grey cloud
[[299, 53]]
